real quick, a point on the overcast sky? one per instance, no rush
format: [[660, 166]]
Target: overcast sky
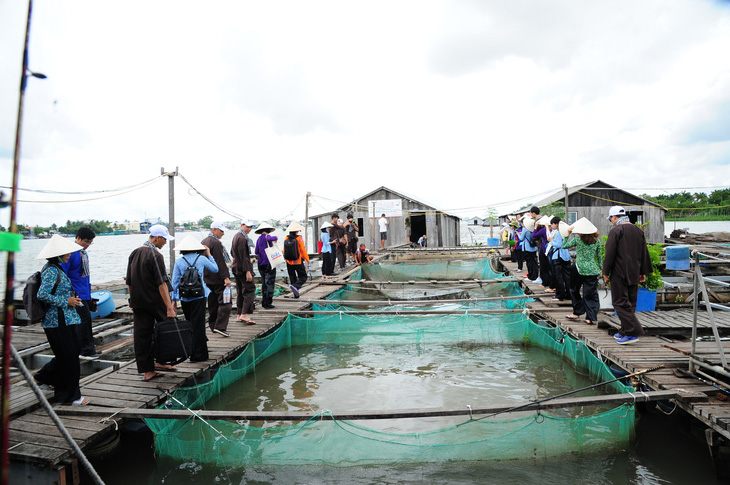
[[463, 105]]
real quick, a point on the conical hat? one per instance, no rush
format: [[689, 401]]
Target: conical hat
[[544, 220], [294, 227], [529, 223], [325, 225], [58, 246], [584, 226], [262, 227], [190, 243], [563, 228]]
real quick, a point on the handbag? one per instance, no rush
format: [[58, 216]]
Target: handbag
[[275, 256]]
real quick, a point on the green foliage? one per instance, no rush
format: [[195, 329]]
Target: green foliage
[[684, 204], [205, 222], [654, 280], [71, 227], [555, 209]]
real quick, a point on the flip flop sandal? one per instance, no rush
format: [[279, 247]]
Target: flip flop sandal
[[82, 401], [157, 374], [572, 317]]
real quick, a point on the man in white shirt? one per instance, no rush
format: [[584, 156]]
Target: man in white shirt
[[383, 223]]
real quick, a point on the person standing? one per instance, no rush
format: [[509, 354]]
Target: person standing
[[149, 298], [626, 264], [339, 239], [242, 268], [328, 256], [559, 259], [294, 246], [197, 257], [383, 225], [351, 229], [529, 251], [63, 371], [266, 270], [77, 270], [219, 310], [585, 271]]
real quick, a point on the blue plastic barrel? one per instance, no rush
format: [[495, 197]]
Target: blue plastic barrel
[[492, 241], [104, 306], [646, 300], [678, 258]]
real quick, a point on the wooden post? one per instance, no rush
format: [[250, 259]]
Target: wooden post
[[171, 201], [567, 206], [306, 223]]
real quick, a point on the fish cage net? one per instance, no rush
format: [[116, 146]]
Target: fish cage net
[[448, 270], [334, 442]]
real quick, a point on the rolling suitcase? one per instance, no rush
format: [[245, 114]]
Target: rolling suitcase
[[173, 341]]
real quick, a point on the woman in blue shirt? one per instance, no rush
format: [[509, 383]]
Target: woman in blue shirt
[[197, 256], [63, 371], [559, 259], [328, 257]]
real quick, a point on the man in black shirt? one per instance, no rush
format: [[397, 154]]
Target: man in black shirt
[[149, 298]]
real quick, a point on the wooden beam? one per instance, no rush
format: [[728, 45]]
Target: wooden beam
[[234, 415]]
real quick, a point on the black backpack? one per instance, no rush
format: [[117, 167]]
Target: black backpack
[[291, 249], [35, 308], [191, 286]]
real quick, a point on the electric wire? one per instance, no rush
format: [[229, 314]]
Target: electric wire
[[60, 192], [207, 199], [137, 187]]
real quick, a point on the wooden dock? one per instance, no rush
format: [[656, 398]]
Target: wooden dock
[[35, 440], [660, 347]]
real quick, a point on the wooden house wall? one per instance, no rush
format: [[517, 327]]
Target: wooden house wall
[[442, 229], [597, 215]]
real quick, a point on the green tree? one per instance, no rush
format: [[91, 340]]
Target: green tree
[[205, 221]]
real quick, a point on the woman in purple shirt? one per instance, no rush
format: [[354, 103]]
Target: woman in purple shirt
[[267, 272]]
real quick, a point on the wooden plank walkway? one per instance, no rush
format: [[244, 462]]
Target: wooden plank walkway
[[652, 350], [35, 439]]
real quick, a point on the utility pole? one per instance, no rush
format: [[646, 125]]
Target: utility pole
[[567, 206], [306, 222], [171, 200]]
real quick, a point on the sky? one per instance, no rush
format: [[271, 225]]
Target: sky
[[464, 105]]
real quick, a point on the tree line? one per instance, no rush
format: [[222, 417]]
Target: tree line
[[697, 205]]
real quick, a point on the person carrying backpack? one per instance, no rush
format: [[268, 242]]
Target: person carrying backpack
[[56, 292], [189, 287], [295, 254]]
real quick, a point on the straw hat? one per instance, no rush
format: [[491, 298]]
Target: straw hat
[[563, 228], [544, 221], [294, 227], [584, 226], [529, 223], [190, 243], [58, 246], [263, 227], [325, 225]]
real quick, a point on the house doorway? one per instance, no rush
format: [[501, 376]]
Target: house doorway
[[418, 226]]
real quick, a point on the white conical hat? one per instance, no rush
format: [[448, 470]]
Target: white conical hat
[[262, 227], [58, 246], [544, 220], [190, 243], [584, 226], [529, 223], [294, 227], [325, 225], [563, 228]]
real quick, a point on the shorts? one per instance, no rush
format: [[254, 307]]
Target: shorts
[[383, 236]]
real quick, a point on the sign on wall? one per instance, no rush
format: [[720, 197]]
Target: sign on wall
[[389, 207]]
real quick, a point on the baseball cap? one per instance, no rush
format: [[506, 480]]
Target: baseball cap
[[219, 225], [158, 230], [616, 210], [248, 222]]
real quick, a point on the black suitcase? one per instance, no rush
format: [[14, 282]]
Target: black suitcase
[[173, 341]]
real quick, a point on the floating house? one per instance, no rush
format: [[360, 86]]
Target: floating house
[[592, 201], [441, 229]]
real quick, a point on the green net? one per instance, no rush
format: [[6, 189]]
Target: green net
[[346, 443], [448, 270]]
